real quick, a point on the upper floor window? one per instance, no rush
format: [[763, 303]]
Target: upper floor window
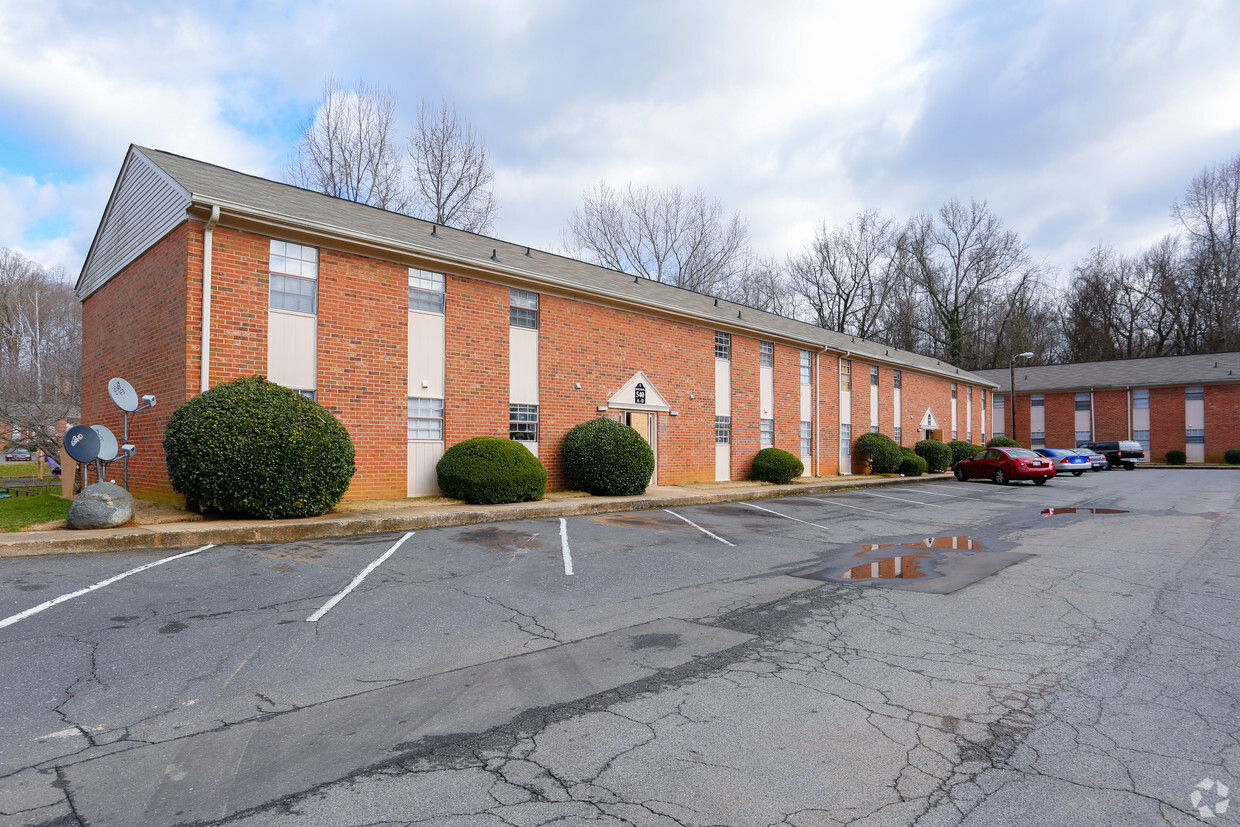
[[845, 374], [1141, 399], [997, 402], [805, 368], [874, 375], [766, 354], [426, 291], [1082, 402], [1196, 392], [294, 277], [1037, 401], [523, 311], [723, 345], [896, 376], [953, 390]]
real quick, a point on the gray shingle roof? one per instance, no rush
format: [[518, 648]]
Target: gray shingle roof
[[1200, 369], [211, 184]]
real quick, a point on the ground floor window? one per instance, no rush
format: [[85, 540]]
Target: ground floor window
[[425, 418], [1142, 437], [1195, 436], [523, 423], [723, 430], [807, 438], [897, 435], [845, 440], [768, 432], [311, 395], [1083, 436], [1037, 439]]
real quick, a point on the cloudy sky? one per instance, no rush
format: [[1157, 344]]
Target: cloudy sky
[[1079, 122]]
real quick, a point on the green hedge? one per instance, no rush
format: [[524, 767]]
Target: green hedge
[[882, 452], [962, 450], [775, 465], [252, 447], [491, 469], [604, 457], [912, 465], [937, 455], [1176, 457], [1002, 442], [1232, 456]]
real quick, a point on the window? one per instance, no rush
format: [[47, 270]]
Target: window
[[983, 397], [1037, 401], [766, 354], [896, 376], [523, 423], [1083, 436], [873, 429], [953, 433], [723, 430], [313, 396], [767, 428], [998, 402], [723, 345], [1197, 392], [845, 440], [805, 365], [425, 418], [807, 438], [1082, 401], [1142, 437], [897, 435], [523, 311], [845, 374], [1037, 439], [294, 277], [968, 394], [426, 291], [1195, 436], [953, 390], [874, 375], [1141, 399]]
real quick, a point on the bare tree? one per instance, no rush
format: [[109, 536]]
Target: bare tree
[[762, 285], [845, 276], [350, 149], [40, 351], [956, 261], [663, 235], [453, 178], [1209, 212]]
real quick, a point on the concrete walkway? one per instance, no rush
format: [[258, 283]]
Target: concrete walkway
[[414, 515]]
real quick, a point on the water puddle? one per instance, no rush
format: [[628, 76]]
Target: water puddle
[[960, 541], [1050, 512]]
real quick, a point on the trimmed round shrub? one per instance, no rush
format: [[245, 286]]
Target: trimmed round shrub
[[882, 452], [1232, 456], [491, 469], [777, 466], [1176, 457], [912, 465], [1002, 442], [604, 457], [937, 455], [962, 450], [254, 448]]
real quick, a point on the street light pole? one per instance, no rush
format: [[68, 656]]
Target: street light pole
[[1012, 376]]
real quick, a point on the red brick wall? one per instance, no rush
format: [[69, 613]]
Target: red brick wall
[[1060, 420], [1166, 422], [921, 391], [602, 348], [1222, 404], [363, 365], [240, 284], [827, 406], [1111, 414], [746, 404], [787, 410], [476, 360], [135, 327]]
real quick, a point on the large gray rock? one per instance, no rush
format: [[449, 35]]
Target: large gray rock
[[102, 505]]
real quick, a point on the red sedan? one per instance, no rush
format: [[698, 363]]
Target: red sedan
[[1004, 464]]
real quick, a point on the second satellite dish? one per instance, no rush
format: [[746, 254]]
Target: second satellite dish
[[123, 394], [82, 443], [108, 446]]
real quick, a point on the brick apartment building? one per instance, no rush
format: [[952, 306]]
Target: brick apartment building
[[1188, 403], [418, 336]]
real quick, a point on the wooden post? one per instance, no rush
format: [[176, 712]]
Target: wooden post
[[68, 475], [38, 458]]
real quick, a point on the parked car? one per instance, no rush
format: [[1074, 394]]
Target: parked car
[[17, 455], [1123, 452], [1066, 462], [1004, 464], [1097, 461]]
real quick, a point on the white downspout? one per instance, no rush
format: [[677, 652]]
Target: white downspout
[[206, 298]]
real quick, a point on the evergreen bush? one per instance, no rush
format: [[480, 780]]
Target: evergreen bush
[[1002, 442], [491, 469], [1176, 457], [912, 465], [777, 466], [1232, 456], [937, 455], [604, 457], [252, 447], [882, 452], [962, 450]]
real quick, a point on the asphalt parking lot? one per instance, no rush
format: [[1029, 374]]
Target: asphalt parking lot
[[935, 653]]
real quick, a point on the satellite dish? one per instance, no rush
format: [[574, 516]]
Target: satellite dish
[[108, 448], [123, 394], [82, 443]]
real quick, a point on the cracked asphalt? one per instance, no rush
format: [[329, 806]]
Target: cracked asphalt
[[1022, 669]]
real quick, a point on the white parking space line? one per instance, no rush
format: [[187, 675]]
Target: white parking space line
[[568, 557], [327, 607], [846, 505], [786, 517], [699, 528], [9, 621], [940, 494], [901, 499]]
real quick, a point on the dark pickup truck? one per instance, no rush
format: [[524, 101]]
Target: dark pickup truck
[[1124, 452]]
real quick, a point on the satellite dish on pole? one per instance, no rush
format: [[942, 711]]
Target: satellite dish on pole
[[108, 447], [82, 443], [123, 394]]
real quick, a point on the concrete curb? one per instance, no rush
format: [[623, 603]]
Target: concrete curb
[[219, 532]]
